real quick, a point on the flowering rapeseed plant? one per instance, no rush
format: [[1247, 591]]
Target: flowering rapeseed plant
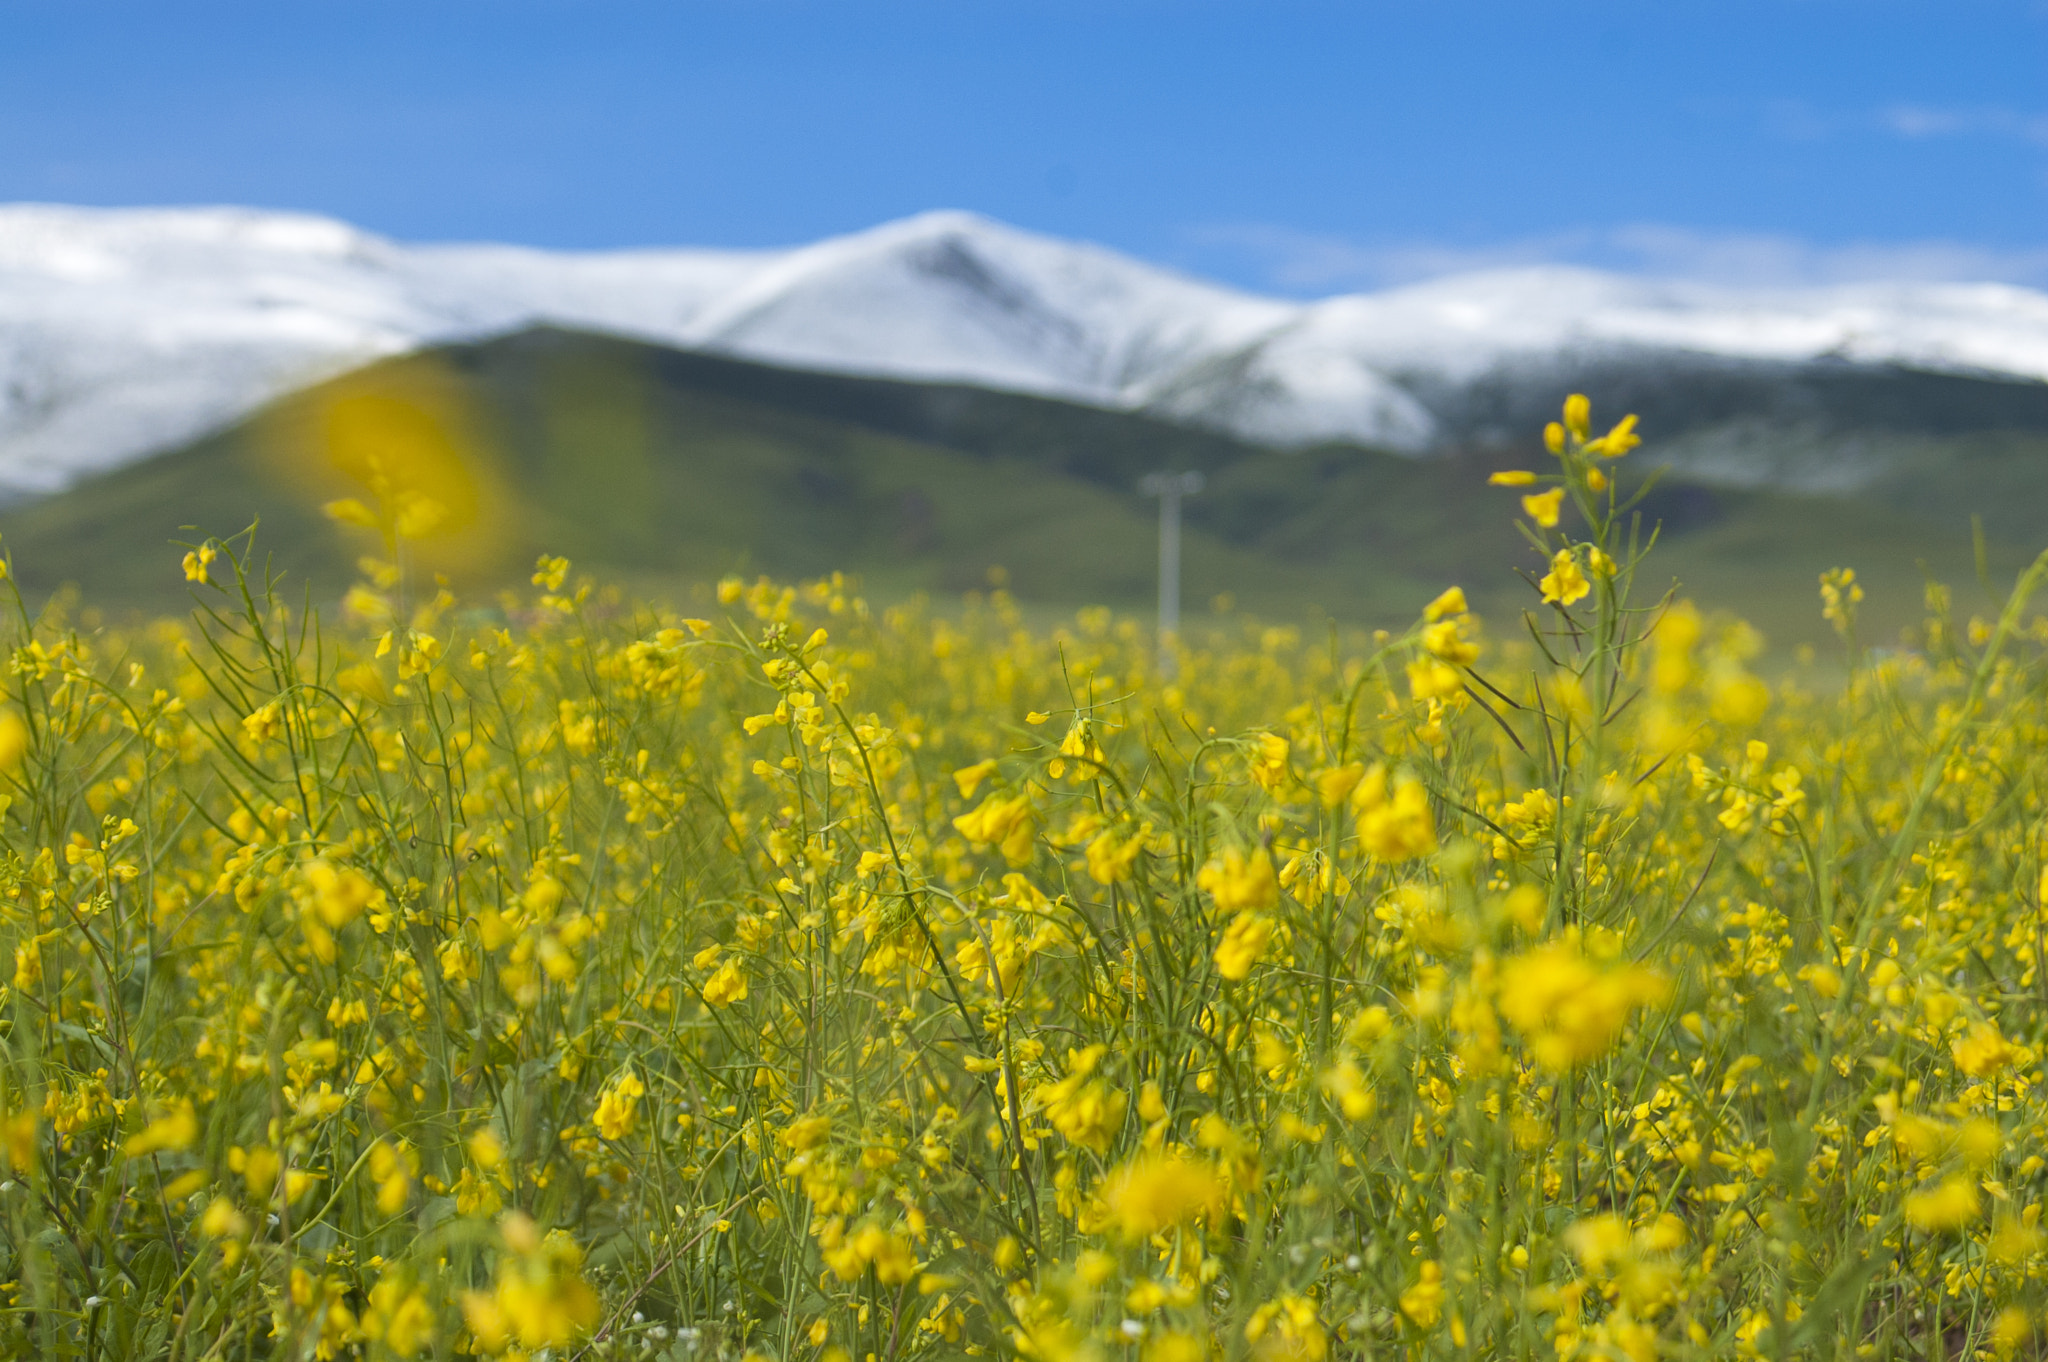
[[797, 979]]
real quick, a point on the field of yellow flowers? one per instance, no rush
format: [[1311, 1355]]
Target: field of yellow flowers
[[816, 982]]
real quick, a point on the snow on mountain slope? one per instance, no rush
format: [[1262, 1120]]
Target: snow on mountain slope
[[127, 331], [124, 332], [953, 296], [1458, 327]]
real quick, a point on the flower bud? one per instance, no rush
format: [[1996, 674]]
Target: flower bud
[[1578, 415]]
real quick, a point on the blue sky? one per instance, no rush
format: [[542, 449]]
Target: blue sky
[[1301, 147]]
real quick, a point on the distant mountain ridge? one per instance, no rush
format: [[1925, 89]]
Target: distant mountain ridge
[[125, 332], [663, 470]]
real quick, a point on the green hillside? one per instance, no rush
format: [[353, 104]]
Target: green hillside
[[665, 470]]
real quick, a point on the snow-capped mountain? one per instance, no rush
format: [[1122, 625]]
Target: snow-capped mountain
[[123, 332]]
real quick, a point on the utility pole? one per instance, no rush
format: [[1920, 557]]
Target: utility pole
[[1170, 488]]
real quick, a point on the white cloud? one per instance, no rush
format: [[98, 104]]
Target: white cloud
[[1767, 258], [1795, 120], [1921, 122], [1311, 262], [1308, 263]]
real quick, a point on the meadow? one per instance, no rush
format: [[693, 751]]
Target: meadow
[[796, 978], [661, 472]]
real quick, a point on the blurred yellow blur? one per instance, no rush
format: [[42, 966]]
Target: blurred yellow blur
[[396, 450]]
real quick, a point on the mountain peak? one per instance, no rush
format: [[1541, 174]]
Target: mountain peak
[[123, 331]]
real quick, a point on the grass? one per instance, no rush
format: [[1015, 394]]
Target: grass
[[669, 471]]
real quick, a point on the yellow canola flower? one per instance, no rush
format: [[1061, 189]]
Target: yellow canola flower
[[14, 739], [1535, 809], [806, 1133], [1346, 1082], [18, 1141], [391, 1170], [541, 1299], [1578, 415], [871, 1246], [417, 515], [399, 1316], [175, 1129], [1617, 441], [1564, 583], [1174, 1345], [618, 1107], [542, 895], [322, 1299], [1430, 679], [1839, 595], [726, 986], [1334, 786], [1005, 822], [1672, 641], [1244, 941], [1110, 857], [1160, 1191], [1240, 881], [350, 511], [1081, 1106], [197, 561], [1568, 1009], [484, 1148], [1079, 742], [259, 1168], [1287, 1330], [1396, 825], [264, 722], [1446, 641], [1512, 477], [2014, 1239], [2013, 1327], [1599, 1242], [1983, 1051], [969, 778], [28, 965], [1423, 1302], [1269, 767], [1451, 602], [549, 572], [1542, 507], [338, 894], [1000, 960], [1734, 696], [221, 1220], [1930, 1141], [1949, 1205], [1978, 1141]]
